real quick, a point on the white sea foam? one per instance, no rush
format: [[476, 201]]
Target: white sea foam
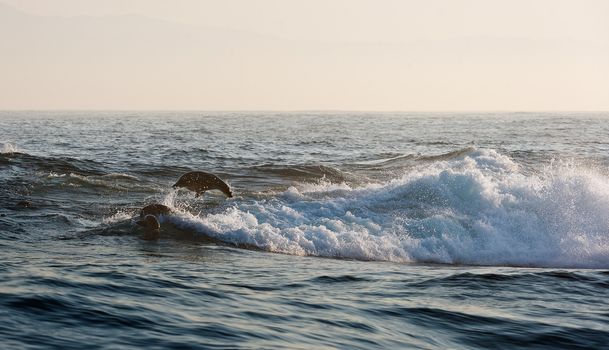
[[55, 175], [119, 216], [7, 148], [121, 176], [478, 208]]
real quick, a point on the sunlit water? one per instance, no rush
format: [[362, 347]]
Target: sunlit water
[[347, 230]]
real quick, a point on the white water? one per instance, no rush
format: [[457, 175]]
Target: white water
[[478, 208], [7, 148]]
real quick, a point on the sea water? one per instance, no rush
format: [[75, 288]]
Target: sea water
[[347, 230]]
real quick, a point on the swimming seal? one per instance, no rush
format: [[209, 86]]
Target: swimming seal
[[199, 182], [155, 210], [150, 222], [151, 226], [23, 204]]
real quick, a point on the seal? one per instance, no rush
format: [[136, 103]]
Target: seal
[[155, 210], [24, 204], [151, 226], [150, 222], [199, 182]]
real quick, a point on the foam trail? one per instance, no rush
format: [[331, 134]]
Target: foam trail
[[478, 208]]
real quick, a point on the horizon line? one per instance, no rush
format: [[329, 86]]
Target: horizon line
[[304, 110]]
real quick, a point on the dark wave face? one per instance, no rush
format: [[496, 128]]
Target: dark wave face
[[444, 231]]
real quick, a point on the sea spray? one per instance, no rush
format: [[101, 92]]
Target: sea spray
[[7, 148]]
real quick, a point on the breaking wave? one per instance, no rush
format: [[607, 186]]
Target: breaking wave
[[475, 206]]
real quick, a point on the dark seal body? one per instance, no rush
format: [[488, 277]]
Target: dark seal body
[[152, 228], [199, 182], [150, 222], [155, 209], [23, 204]]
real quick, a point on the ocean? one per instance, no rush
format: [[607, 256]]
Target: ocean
[[347, 230]]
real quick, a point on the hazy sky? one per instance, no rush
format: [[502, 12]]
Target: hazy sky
[[294, 55]]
